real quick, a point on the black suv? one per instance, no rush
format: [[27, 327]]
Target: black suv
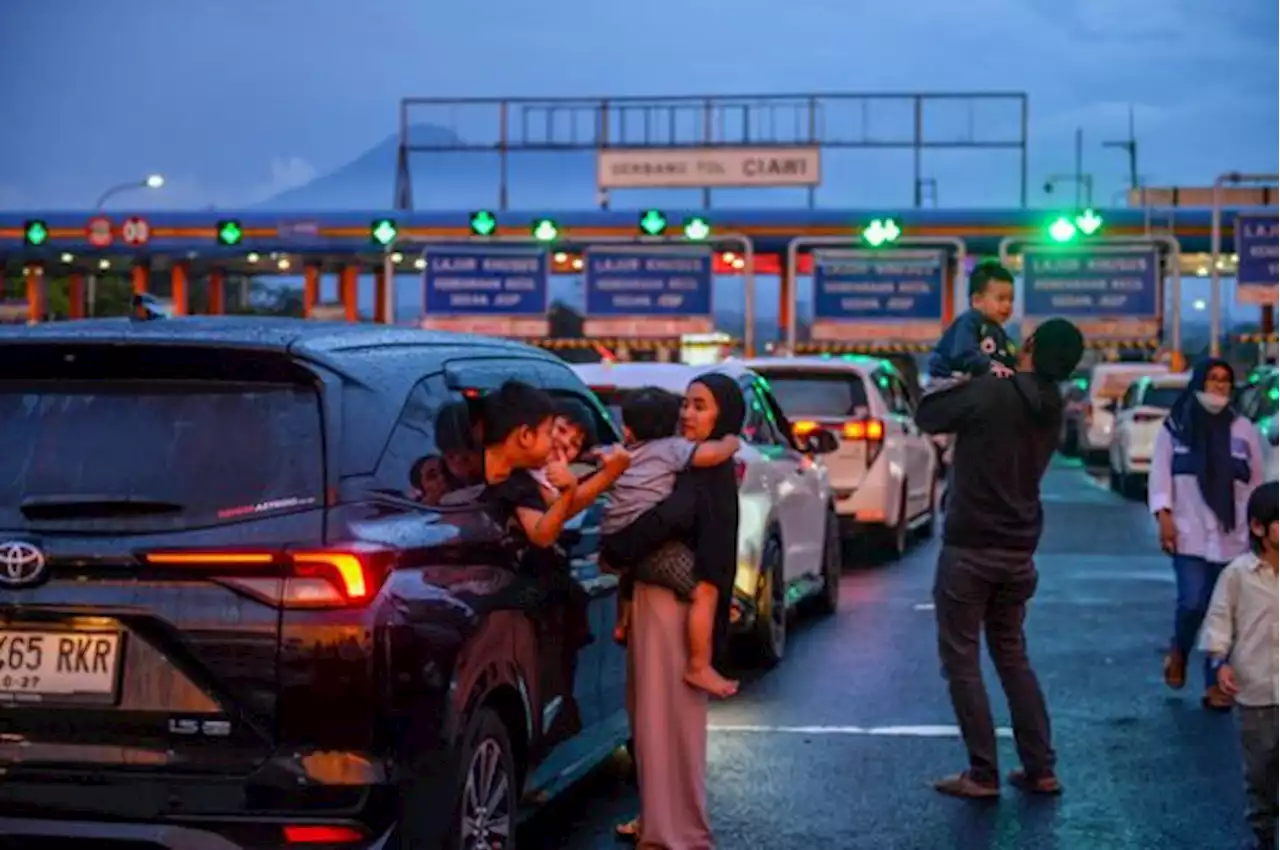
[[250, 595]]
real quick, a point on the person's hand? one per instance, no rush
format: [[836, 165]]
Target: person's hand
[[1168, 532], [1227, 680], [1001, 371], [614, 460], [558, 474]]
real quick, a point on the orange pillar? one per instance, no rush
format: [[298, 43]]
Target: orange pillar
[[380, 295], [949, 291], [348, 281], [217, 293], [34, 275], [310, 289], [178, 288], [141, 277], [786, 302], [75, 296]]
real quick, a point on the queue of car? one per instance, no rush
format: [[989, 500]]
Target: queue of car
[[250, 596]]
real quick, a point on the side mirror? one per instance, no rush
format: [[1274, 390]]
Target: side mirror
[[820, 442]]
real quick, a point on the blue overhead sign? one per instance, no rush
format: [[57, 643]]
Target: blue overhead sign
[[878, 286], [648, 282], [1258, 250], [487, 281], [1091, 283]]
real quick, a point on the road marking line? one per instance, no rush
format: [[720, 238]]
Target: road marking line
[[922, 606], [892, 731]]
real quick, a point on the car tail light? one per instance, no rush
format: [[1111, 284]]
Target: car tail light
[[321, 834], [739, 470], [803, 428], [1148, 417], [337, 577]]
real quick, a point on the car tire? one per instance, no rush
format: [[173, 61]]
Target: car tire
[[828, 600], [487, 788], [770, 633], [898, 535]]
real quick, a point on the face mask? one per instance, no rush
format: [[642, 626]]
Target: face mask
[[1212, 403]]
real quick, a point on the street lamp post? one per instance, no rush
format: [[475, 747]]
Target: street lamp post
[[152, 181]]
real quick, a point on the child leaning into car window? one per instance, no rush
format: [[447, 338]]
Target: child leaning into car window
[[572, 431], [650, 417]]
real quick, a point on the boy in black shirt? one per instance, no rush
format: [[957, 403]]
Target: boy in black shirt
[[976, 343]]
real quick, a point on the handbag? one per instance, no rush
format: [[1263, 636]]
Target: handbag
[[671, 566]]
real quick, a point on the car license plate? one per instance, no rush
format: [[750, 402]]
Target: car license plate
[[66, 666]]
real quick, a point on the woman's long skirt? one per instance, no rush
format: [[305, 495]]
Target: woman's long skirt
[[670, 725]]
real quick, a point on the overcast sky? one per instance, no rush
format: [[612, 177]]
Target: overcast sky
[[237, 100]]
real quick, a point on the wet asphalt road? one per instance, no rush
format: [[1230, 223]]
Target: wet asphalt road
[[835, 747]]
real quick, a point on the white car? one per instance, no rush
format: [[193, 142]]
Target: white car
[[1258, 402], [788, 532], [1107, 383], [885, 469], [1138, 417]]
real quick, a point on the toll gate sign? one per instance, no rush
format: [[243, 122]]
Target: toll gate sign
[[1258, 250], [502, 292], [1110, 293], [878, 296], [648, 291]]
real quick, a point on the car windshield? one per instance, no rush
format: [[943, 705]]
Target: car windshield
[[156, 454], [823, 394], [1162, 397]]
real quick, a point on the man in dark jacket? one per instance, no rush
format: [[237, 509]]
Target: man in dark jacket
[[1006, 432]]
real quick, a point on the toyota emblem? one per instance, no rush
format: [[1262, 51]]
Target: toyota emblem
[[22, 564]]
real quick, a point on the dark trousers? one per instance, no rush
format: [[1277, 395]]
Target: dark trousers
[[977, 590], [1258, 741], [1196, 578]]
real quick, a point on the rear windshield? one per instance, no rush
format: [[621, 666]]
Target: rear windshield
[[816, 393], [1113, 384], [156, 454], [1160, 396]]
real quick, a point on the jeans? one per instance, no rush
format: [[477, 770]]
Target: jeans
[[1196, 578], [977, 590]]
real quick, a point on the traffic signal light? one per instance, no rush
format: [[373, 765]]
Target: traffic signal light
[[545, 230], [653, 223], [230, 232], [697, 228], [881, 231], [483, 223], [383, 231], [1066, 228], [35, 232]]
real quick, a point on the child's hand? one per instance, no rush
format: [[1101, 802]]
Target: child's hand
[[1227, 680], [558, 474], [1001, 371], [614, 459]]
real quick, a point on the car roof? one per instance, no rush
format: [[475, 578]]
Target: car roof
[[862, 364], [674, 377]]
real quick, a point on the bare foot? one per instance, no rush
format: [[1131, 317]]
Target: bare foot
[[709, 680]]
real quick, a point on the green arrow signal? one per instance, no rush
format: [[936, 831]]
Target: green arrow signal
[[545, 230], [384, 231], [653, 223], [1062, 230], [483, 223], [697, 229], [881, 231], [230, 233], [1089, 222], [36, 233]]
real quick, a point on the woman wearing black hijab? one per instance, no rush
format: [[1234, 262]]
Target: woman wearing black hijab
[[669, 718], [1206, 462]]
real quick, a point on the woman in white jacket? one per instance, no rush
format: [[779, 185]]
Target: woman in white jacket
[[1207, 461]]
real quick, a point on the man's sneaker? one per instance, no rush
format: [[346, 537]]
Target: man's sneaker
[[1175, 669], [964, 785], [1045, 783]]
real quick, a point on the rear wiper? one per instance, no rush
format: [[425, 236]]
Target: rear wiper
[[91, 506]]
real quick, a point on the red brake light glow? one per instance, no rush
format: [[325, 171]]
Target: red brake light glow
[[321, 834], [330, 578], [863, 429]]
